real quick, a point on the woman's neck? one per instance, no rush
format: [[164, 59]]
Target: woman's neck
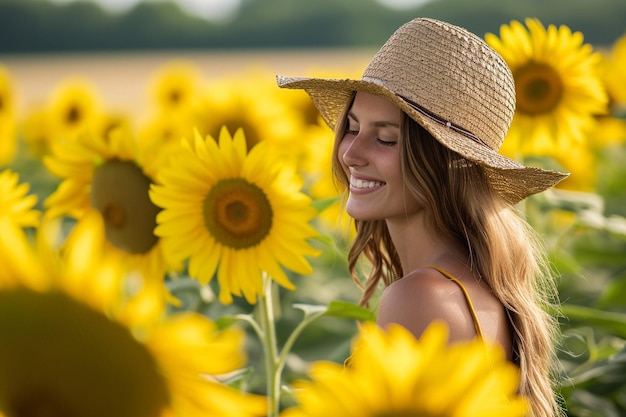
[[417, 246]]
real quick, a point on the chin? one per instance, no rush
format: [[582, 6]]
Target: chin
[[361, 216]]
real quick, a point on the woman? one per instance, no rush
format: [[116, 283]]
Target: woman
[[417, 141]]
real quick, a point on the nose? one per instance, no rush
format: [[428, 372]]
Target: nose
[[352, 152]]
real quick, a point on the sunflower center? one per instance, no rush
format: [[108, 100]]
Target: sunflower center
[[252, 132], [60, 358], [538, 87], [237, 213], [119, 191], [175, 96], [39, 404], [73, 115]]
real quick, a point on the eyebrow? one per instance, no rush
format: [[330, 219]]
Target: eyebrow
[[380, 123]]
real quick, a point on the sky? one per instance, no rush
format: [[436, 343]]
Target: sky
[[216, 9]]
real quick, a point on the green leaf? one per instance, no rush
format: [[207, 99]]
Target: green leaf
[[226, 321], [584, 403], [615, 292], [605, 375], [347, 310], [310, 309], [338, 309], [239, 378], [608, 320]]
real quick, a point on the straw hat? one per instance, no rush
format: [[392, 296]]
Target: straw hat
[[454, 85]]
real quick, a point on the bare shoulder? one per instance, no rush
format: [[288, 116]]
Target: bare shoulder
[[422, 297]]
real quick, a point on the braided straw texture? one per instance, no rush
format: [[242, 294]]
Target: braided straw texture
[[459, 79]]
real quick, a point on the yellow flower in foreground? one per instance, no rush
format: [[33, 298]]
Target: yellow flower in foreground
[[111, 176], [233, 212], [16, 212], [557, 85], [15, 202], [71, 347], [393, 374]]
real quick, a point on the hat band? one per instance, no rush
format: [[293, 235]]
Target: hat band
[[424, 112]]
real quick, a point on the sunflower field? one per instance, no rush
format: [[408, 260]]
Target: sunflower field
[[193, 262]]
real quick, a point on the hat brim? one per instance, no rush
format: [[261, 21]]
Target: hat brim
[[509, 178]]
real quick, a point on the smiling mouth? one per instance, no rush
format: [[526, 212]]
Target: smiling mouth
[[361, 184]]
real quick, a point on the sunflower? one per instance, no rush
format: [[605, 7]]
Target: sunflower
[[393, 374], [17, 210], [8, 136], [610, 131], [105, 123], [301, 101], [233, 212], [614, 71], [581, 161], [175, 92], [15, 201], [175, 86], [68, 301], [557, 85], [73, 108], [251, 101], [163, 132], [111, 176]]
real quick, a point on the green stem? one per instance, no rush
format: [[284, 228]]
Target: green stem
[[272, 370], [292, 338], [266, 331], [255, 326]]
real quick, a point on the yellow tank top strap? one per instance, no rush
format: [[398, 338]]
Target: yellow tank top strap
[[472, 310]]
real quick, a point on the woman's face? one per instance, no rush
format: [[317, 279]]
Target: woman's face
[[369, 154]]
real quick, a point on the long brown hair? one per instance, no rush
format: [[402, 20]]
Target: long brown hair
[[503, 250]]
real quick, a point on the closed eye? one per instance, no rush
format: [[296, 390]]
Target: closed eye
[[386, 143]]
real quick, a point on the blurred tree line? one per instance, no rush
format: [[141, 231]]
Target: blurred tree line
[[41, 26]]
